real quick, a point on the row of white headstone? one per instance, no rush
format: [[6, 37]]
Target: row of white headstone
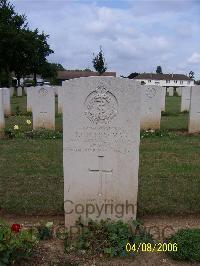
[[152, 103], [101, 137], [41, 102]]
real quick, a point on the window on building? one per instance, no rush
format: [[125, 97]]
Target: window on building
[[175, 81], [167, 81], [188, 82], [181, 82], [149, 80]]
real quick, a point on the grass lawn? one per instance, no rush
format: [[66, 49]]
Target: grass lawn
[[31, 175], [173, 119]]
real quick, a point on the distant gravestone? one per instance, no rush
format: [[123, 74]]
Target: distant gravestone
[[151, 100], [60, 99], [185, 99], [12, 90], [29, 98], [101, 135], [179, 91], [2, 119], [6, 101], [163, 91], [171, 91], [19, 91], [43, 107], [194, 114]]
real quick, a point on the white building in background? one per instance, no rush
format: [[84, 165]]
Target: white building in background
[[165, 80]]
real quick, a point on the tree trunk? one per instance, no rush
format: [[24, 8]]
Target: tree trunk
[[8, 77], [35, 79]]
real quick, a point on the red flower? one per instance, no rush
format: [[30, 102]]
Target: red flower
[[16, 228]]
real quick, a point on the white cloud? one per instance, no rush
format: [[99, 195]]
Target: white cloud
[[194, 58], [137, 37]]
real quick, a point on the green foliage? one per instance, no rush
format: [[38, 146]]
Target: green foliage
[[188, 243], [99, 62], [155, 133], [22, 51], [107, 237], [133, 75], [159, 70], [32, 134], [44, 134], [191, 74], [14, 246], [17, 110], [45, 231]]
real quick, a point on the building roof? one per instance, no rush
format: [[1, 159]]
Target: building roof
[[67, 74], [156, 76]]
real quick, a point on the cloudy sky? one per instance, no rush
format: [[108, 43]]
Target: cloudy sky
[[135, 35]]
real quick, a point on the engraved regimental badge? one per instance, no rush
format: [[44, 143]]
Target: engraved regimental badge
[[43, 92], [150, 92], [101, 106]]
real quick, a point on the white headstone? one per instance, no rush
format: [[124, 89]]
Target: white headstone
[[194, 114], [163, 89], [29, 98], [19, 91], [6, 101], [43, 107], [2, 119], [185, 99], [60, 99], [12, 90], [101, 135], [179, 91], [151, 100], [171, 91]]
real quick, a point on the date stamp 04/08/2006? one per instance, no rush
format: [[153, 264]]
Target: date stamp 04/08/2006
[[149, 247]]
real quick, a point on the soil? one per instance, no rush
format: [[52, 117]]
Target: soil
[[51, 252]]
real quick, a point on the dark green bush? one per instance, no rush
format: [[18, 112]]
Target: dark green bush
[[45, 231], [188, 245]]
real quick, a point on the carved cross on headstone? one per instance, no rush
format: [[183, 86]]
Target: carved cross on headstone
[[43, 118], [101, 171]]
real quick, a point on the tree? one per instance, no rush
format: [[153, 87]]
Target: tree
[[48, 70], [10, 25], [39, 51], [191, 75], [58, 67], [159, 70], [99, 62], [22, 50], [133, 75]]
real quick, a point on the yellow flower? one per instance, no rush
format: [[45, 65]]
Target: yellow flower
[[28, 122], [16, 127]]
